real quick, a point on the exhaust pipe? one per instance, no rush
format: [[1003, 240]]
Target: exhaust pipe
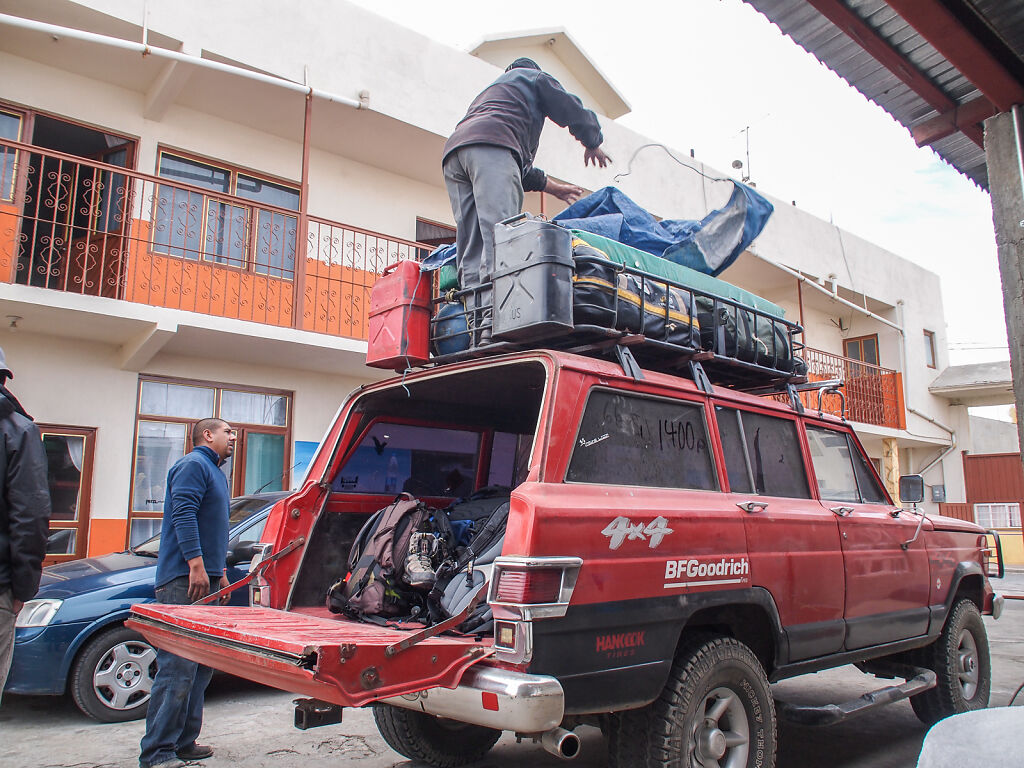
[[561, 743]]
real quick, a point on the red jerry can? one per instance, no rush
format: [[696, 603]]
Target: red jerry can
[[400, 318]]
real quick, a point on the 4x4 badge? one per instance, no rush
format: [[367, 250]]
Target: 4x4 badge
[[623, 529]]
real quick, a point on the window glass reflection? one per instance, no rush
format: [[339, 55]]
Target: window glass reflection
[[264, 458], [254, 408], [64, 471], [159, 446], [185, 402]]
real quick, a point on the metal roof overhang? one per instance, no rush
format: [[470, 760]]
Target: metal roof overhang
[[939, 67], [977, 384]]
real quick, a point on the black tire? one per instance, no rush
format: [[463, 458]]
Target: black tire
[[434, 741], [962, 665], [112, 676], [716, 710]]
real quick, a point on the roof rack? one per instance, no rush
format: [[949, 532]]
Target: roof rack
[[740, 359]]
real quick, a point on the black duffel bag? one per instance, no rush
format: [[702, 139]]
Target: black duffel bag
[[606, 296]]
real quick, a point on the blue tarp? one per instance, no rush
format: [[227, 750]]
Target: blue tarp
[[438, 258], [708, 246]]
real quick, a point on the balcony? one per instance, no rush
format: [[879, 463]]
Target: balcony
[[874, 395], [95, 229], [85, 227]]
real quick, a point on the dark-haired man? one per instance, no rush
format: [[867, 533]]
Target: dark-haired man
[[193, 546], [488, 163], [24, 513]]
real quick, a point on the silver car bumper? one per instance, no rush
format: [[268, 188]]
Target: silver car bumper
[[494, 698]]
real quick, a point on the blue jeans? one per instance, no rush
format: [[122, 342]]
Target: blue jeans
[[175, 714]]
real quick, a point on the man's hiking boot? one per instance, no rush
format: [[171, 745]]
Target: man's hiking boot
[[194, 752], [419, 567]]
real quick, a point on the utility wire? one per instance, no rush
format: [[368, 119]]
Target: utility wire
[[668, 152]]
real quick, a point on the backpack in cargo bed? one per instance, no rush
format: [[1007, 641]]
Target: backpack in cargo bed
[[477, 533], [375, 585], [407, 541]]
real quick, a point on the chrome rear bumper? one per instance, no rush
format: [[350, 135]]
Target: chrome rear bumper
[[494, 698]]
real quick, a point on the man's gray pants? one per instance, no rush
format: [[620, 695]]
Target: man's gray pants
[[485, 186], [7, 618]]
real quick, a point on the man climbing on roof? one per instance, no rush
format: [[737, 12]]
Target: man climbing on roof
[[488, 165]]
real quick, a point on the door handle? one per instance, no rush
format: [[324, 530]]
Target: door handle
[[752, 506], [842, 511]]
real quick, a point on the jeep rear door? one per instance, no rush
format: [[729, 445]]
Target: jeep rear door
[[886, 585], [308, 651]]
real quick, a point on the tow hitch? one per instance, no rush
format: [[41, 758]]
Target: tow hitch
[[312, 713], [917, 681]]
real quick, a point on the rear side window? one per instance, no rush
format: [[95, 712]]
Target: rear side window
[[424, 461], [630, 440], [841, 469], [730, 427], [833, 466], [762, 454]]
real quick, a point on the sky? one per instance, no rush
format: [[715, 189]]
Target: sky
[[699, 74]]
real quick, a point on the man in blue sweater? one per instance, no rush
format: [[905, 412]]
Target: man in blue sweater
[[193, 546], [488, 165]]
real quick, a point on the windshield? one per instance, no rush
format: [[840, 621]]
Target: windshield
[[241, 509]]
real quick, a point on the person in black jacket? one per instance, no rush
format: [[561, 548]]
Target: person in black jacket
[[24, 513], [488, 165]]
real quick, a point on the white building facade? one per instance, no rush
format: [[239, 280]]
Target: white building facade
[[192, 214]]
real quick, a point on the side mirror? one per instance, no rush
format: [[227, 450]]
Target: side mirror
[[912, 489], [243, 553]]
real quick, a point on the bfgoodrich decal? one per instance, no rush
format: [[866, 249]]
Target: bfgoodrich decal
[[696, 572]]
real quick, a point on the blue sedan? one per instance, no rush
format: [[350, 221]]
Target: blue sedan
[[71, 637]]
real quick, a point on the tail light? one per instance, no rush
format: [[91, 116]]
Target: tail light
[[529, 586], [533, 587], [523, 589], [259, 588]]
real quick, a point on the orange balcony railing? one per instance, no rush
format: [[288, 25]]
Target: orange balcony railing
[[874, 395], [80, 226]]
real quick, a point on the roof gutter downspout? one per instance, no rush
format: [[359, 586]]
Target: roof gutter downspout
[[898, 327], [833, 294], [906, 400], [164, 53], [945, 451]]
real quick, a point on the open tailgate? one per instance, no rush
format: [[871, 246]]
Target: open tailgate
[[337, 660]]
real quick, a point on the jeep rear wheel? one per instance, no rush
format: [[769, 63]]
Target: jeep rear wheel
[[432, 740], [963, 668], [716, 710]]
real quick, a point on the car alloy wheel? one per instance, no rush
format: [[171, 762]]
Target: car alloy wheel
[[113, 675], [122, 679]]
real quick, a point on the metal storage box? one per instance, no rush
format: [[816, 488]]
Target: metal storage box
[[532, 280]]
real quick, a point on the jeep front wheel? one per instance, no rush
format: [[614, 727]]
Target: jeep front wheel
[[963, 668], [716, 710], [435, 741]]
